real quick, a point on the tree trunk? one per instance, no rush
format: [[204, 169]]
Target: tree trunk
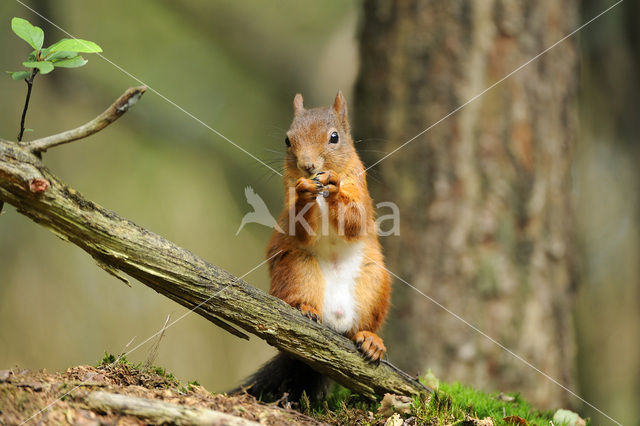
[[608, 199], [484, 195]]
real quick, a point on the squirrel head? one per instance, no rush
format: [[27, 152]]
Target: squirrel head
[[319, 139]]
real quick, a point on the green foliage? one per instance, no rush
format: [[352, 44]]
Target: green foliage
[[19, 75], [454, 402], [62, 54], [110, 359], [74, 45], [160, 371], [45, 67], [106, 359], [29, 33], [338, 397], [341, 406], [75, 62]]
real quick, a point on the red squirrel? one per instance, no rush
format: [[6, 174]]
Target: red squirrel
[[328, 262]]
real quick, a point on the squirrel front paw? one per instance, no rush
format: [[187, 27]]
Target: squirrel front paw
[[309, 312], [330, 182], [308, 189], [370, 344]]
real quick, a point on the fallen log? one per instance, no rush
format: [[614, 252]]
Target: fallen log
[[161, 412]]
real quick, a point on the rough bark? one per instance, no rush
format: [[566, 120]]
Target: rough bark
[[118, 245], [484, 195]]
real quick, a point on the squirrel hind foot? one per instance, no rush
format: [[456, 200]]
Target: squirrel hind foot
[[371, 346]]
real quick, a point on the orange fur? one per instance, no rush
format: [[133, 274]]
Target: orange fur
[[296, 276]]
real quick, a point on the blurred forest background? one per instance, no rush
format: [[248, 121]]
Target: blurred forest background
[[237, 66]]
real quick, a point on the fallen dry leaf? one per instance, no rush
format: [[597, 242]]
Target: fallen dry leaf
[[394, 404], [515, 420], [487, 421], [568, 418], [4, 375], [505, 398], [394, 420]]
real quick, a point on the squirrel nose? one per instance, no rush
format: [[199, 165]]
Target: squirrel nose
[[309, 168]]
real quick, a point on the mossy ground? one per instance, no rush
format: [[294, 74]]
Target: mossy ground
[[23, 393], [451, 404]]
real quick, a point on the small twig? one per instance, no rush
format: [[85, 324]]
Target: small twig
[[119, 107], [29, 81], [124, 351], [153, 352]]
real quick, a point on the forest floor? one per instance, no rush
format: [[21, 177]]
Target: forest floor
[[67, 400], [24, 393]]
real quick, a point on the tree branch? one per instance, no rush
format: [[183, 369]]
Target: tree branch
[[119, 107], [186, 278]]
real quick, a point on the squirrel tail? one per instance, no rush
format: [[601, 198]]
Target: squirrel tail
[[284, 374]]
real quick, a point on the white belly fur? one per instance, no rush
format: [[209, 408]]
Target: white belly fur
[[340, 262]]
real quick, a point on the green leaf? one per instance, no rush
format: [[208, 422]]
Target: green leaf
[[58, 55], [75, 45], [45, 67], [20, 75], [29, 33], [74, 62], [33, 56]]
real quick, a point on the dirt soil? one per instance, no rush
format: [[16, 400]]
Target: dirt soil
[[24, 393]]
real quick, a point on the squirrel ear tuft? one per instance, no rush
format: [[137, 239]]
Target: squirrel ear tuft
[[298, 104], [340, 107]]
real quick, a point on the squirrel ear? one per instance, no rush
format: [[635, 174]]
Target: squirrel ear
[[340, 107], [298, 104]]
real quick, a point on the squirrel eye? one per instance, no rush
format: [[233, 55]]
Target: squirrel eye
[[334, 137], [287, 141]]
